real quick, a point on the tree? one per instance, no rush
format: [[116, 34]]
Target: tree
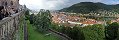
[[31, 18], [75, 33], [27, 14], [112, 31], [43, 20], [94, 32]]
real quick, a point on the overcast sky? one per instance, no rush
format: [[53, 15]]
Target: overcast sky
[[58, 4]]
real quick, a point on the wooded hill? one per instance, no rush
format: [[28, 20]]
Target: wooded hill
[[86, 7]]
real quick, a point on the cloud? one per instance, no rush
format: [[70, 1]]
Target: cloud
[[44, 4], [110, 1], [59, 4]]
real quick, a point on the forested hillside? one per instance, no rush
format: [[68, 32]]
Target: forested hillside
[[86, 7]]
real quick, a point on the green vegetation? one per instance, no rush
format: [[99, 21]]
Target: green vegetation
[[87, 7], [74, 33], [33, 34], [21, 28], [94, 32], [38, 25], [27, 15], [112, 31], [42, 22]]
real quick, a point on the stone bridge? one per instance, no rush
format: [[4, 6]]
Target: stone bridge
[[10, 27]]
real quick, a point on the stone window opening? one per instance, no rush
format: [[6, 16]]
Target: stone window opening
[[11, 2], [6, 3]]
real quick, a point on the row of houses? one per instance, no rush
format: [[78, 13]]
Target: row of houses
[[73, 20]]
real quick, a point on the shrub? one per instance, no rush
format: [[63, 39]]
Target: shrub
[[94, 32]]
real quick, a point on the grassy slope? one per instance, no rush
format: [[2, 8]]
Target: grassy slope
[[35, 35]]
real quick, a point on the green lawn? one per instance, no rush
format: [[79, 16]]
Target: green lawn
[[35, 35]]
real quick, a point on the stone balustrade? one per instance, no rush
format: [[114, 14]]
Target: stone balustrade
[[10, 25]]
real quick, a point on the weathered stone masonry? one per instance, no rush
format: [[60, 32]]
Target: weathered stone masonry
[[10, 26]]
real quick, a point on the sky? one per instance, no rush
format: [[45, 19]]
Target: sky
[[58, 4]]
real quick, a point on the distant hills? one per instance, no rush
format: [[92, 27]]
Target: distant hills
[[86, 7]]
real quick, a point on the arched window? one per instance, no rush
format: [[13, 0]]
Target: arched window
[[6, 3], [11, 2]]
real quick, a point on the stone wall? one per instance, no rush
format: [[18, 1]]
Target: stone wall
[[8, 7], [9, 26], [10, 3]]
